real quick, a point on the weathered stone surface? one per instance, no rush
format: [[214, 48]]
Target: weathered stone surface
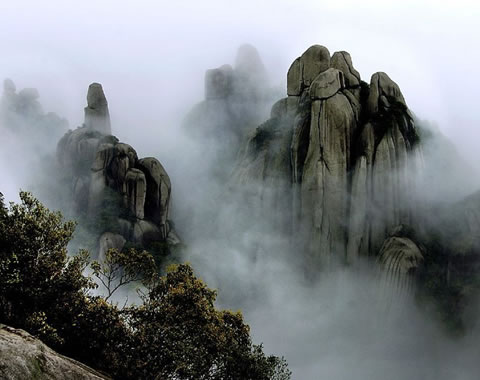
[[77, 149], [400, 259], [313, 61], [295, 78], [158, 192], [327, 84], [97, 116], [135, 191], [342, 61], [108, 241], [382, 85], [22, 356], [324, 185]]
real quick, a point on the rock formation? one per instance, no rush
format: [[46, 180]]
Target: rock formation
[[97, 116], [236, 100], [24, 357], [130, 196], [335, 164]]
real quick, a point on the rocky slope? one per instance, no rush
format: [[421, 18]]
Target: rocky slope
[[336, 161], [24, 357], [129, 195]]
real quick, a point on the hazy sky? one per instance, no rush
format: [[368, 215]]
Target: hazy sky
[[151, 55]]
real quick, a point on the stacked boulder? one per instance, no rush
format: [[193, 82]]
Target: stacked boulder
[[337, 160], [104, 170]]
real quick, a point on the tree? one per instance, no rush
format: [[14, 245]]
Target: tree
[[123, 268], [177, 333], [183, 336]]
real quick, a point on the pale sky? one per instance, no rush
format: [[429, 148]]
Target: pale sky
[[151, 56]]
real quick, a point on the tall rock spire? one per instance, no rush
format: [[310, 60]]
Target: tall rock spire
[[97, 116]]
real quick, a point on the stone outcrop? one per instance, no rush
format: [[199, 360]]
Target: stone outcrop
[[338, 158], [110, 183], [22, 356], [97, 116]]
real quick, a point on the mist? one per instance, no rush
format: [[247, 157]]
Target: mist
[[151, 59]]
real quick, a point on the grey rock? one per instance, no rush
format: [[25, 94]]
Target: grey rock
[[313, 61], [342, 61], [327, 84], [349, 162], [400, 259], [295, 78], [22, 356], [135, 189], [158, 192], [382, 85], [97, 116]]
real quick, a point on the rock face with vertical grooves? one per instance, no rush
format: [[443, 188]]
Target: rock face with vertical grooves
[[338, 157], [400, 258], [109, 181]]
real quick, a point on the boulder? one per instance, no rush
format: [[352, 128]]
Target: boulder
[[342, 61], [314, 60], [23, 356], [383, 92], [327, 84]]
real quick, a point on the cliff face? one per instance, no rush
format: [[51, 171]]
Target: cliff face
[[105, 173], [24, 357], [337, 160]]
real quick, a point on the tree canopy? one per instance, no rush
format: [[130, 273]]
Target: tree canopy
[[175, 333]]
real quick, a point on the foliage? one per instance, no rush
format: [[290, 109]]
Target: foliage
[[122, 268], [198, 341], [177, 333]]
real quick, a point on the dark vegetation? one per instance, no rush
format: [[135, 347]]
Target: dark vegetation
[[175, 333]]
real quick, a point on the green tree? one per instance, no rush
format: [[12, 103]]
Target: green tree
[[181, 335], [177, 333]]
